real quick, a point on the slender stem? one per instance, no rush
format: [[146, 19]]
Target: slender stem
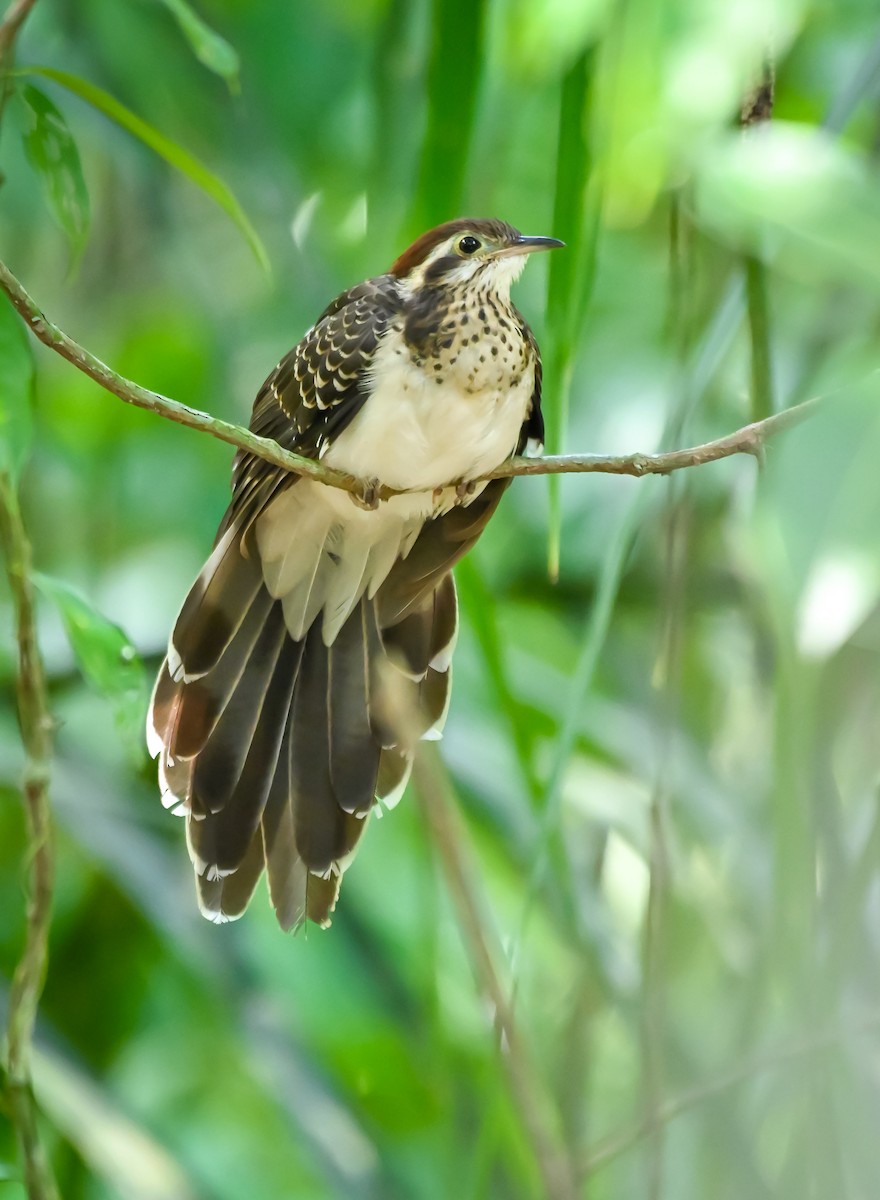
[[759, 336], [525, 1085], [748, 440], [653, 1014], [617, 1144], [13, 19], [36, 733]]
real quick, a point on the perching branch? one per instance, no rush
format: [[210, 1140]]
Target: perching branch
[[748, 440], [132, 393], [36, 733]]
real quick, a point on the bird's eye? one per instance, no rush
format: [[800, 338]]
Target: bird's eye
[[469, 244]]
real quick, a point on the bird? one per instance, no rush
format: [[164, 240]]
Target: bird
[[313, 652]]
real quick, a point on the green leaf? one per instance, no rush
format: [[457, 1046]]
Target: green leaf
[[52, 153], [208, 46], [570, 275], [451, 106], [173, 154], [16, 389], [105, 655]]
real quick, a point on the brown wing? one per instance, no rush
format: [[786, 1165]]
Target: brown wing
[[533, 429], [315, 391]]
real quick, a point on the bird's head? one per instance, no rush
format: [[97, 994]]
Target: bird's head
[[485, 253]]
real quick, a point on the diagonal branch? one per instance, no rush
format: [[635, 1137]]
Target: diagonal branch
[[748, 440], [132, 393]]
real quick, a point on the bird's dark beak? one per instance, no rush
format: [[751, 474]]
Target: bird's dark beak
[[528, 245]]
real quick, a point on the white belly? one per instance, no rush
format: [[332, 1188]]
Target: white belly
[[416, 432], [320, 552]]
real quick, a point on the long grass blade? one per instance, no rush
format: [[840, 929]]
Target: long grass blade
[[174, 154]]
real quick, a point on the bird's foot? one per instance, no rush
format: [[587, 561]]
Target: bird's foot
[[366, 494], [464, 489]]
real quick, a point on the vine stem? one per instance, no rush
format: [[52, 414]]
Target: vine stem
[[750, 439], [36, 734]]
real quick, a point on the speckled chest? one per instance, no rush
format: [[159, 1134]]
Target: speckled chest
[[447, 398], [470, 339]]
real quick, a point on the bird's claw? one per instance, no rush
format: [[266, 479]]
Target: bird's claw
[[463, 489], [366, 494]]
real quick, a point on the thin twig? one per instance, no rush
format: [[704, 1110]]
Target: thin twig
[[525, 1086], [616, 1144], [748, 440], [132, 393], [36, 734]]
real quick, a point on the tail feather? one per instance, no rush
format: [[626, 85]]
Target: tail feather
[[434, 693], [286, 873], [444, 629], [275, 745], [207, 696], [225, 897], [324, 832], [221, 760], [354, 753], [162, 716], [394, 771], [322, 893], [217, 603], [225, 837]]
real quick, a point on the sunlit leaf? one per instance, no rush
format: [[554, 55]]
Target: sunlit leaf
[[16, 386], [173, 154], [543, 39], [52, 153], [797, 197], [209, 47], [104, 654]]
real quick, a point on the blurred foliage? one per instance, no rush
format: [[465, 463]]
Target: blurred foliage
[[667, 762]]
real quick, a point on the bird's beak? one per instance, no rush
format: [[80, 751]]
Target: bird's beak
[[528, 245]]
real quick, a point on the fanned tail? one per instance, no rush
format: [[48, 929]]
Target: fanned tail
[[276, 748]]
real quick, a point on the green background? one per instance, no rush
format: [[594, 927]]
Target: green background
[[665, 762]]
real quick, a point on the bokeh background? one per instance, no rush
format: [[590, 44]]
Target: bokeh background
[[664, 741]]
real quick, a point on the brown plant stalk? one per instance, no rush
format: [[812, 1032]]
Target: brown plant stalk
[[525, 1086], [13, 19], [36, 734]]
